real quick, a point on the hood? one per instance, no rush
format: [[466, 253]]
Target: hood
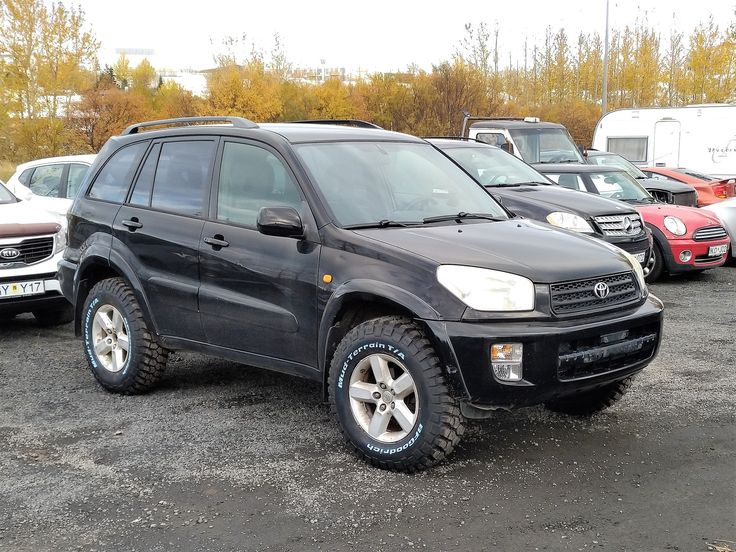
[[693, 217], [537, 251], [557, 198], [665, 185], [13, 216]]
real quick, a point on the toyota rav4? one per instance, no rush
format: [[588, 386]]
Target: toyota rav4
[[364, 259]]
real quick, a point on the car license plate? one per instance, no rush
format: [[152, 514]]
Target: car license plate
[[21, 289], [717, 250], [640, 256]]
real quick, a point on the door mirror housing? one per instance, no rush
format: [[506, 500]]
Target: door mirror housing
[[508, 147], [280, 221]]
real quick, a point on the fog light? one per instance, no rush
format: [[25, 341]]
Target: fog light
[[506, 361], [686, 255]]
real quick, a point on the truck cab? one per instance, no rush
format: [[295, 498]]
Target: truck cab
[[527, 138]]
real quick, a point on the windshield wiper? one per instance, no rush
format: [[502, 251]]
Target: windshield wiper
[[462, 215], [384, 223]]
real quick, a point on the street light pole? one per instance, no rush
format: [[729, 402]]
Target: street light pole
[[604, 100]]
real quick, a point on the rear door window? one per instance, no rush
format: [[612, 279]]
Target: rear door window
[[113, 180], [77, 172], [181, 184]]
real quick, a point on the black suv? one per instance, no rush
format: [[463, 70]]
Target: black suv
[[360, 258], [526, 192]]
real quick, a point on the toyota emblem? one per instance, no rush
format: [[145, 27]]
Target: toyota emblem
[[9, 253], [601, 290], [628, 225]]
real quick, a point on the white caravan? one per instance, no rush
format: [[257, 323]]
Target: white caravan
[[698, 137]]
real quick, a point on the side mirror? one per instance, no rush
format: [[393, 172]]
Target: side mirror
[[583, 151], [508, 147], [280, 221]]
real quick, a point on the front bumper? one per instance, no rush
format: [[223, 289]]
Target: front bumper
[[560, 358], [700, 259], [642, 244], [51, 299]]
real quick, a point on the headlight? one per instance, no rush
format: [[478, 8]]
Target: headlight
[[639, 271], [675, 226], [60, 239], [570, 221], [487, 290]]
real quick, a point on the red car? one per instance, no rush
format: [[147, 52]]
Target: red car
[[710, 190], [685, 238]]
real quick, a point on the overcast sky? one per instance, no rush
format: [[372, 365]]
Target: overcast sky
[[376, 35]]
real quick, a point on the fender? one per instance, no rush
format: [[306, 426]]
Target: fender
[[379, 291], [659, 237]]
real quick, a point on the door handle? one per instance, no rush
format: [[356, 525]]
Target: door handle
[[217, 241], [132, 224]]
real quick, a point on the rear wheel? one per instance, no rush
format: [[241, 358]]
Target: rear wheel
[[120, 349], [389, 394], [592, 402]]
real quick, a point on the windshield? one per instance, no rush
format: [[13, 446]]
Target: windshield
[[370, 182], [494, 167], [545, 145], [5, 195], [620, 185], [615, 160]]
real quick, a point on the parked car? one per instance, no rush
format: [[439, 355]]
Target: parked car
[[52, 182], [363, 259], [710, 190], [665, 191], [31, 244], [686, 239], [726, 212], [524, 191]]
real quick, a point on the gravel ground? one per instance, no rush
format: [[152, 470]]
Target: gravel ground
[[227, 457]]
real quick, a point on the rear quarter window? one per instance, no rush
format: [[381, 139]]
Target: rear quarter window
[[113, 181]]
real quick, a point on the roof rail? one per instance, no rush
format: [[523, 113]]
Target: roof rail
[[237, 122], [341, 122]]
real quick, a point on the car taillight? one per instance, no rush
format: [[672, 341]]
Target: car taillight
[[720, 190]]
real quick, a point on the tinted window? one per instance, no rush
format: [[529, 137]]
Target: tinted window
[[142, 191], [181, 183], [494, 167], [46, 180], [492, 138], [251, 178], [25, 176], [77, 173], [113, 180], [5, 195], [633, 149]]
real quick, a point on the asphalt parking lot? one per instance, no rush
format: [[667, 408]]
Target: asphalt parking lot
[[226, 457]]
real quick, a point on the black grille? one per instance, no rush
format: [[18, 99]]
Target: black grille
[[710, 233], [593, 356], [578, 295], [31, 251]]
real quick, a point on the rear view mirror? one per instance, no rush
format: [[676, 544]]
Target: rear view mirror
[[280, 221]]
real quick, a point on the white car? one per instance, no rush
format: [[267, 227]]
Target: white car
[[32, 242], [51, 183]]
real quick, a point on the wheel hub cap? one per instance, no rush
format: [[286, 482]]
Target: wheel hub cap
[[383, 398], [110, 338]]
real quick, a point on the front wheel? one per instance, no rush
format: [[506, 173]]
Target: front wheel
[[655, 264], [120, 349], [390, 396], [592, 402]]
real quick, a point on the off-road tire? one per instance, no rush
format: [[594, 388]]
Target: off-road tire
[[146, 360], [655, 272], [57, 317], [439, 423], [592, 402]]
